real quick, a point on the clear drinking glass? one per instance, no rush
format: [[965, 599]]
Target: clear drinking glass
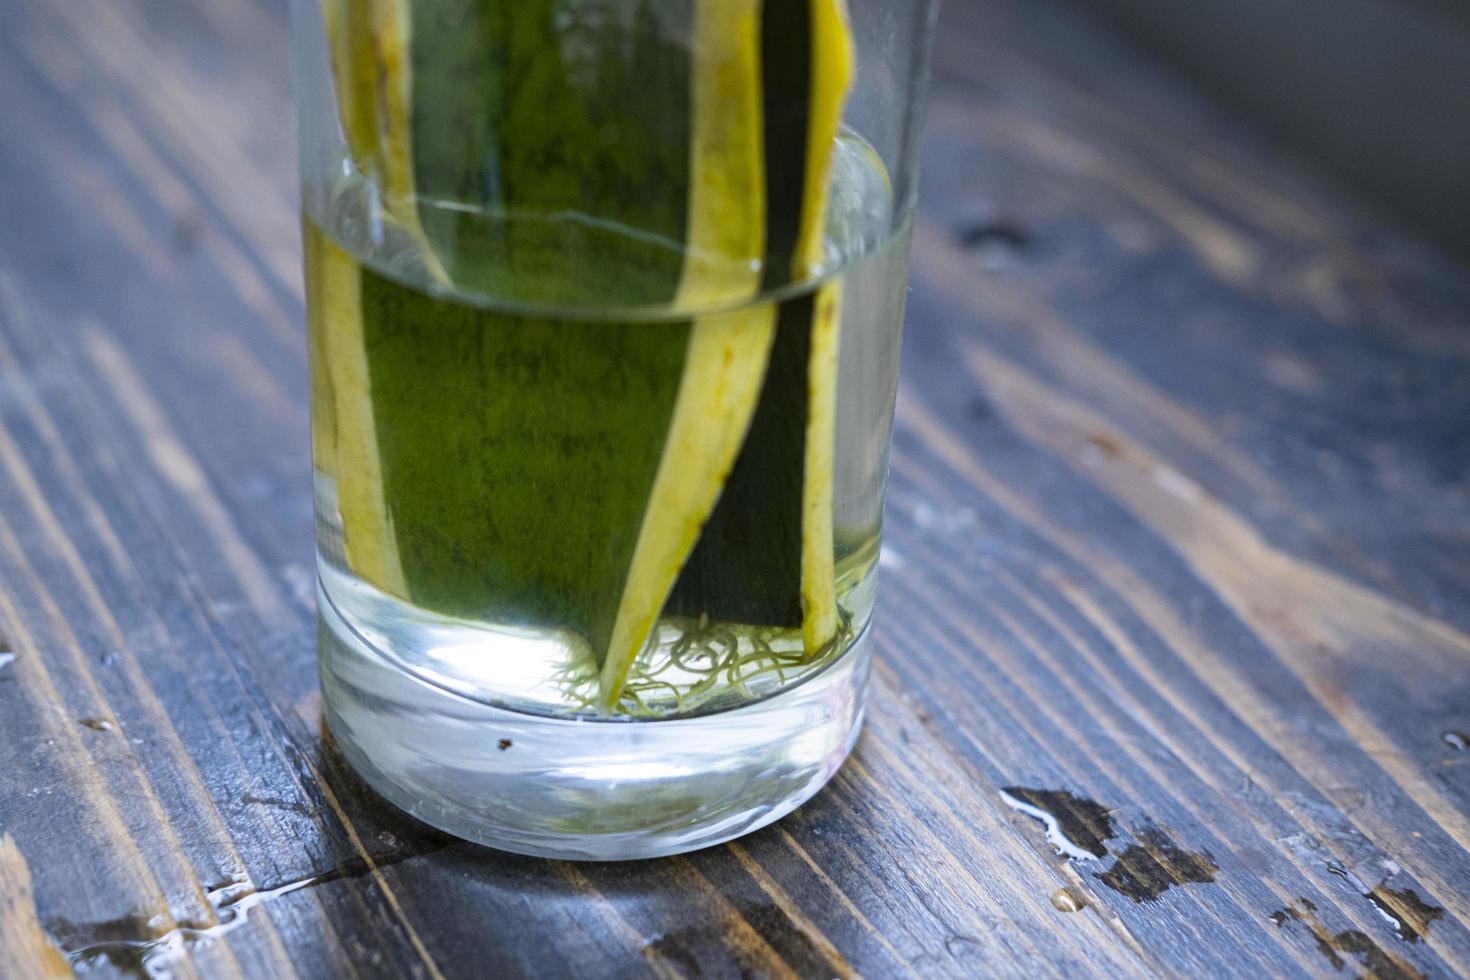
[[604, 302]]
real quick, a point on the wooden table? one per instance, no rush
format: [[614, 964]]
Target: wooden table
[[1179, 557]]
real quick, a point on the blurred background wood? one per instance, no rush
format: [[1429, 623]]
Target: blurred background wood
[[1178, 556], [1372, 91]]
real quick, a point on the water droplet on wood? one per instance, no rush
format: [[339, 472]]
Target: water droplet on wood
[[1068, 900]]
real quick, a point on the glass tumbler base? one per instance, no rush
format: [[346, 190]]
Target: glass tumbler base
[[586, 789]]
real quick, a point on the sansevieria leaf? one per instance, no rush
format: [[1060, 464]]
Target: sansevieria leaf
[[571, 471]]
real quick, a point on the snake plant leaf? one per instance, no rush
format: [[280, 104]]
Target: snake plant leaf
[[323, 400], [728, 353], [370, 540], [354, 69], [766, 555], [567, 471]]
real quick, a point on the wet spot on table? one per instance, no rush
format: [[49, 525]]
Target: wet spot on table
[[1338, 947], [1078, 828], [1147, 869]]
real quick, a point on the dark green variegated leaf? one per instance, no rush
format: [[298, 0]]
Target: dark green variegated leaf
[[558, 471]]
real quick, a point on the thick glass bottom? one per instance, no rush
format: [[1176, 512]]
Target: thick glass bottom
[[585, 788]]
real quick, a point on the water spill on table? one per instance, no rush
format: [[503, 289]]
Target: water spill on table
[[1402, 908], [1144, 871], [1409, 914], [1076, 827], [1335, 946], [139, 945], [1079, 829]]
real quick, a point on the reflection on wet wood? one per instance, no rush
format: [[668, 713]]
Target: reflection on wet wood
[[1175, 638]]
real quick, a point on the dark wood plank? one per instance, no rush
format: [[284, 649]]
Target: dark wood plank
[[1177, 525]]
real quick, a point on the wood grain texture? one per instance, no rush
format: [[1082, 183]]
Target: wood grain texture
[[1178, 526], [25, 948]]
